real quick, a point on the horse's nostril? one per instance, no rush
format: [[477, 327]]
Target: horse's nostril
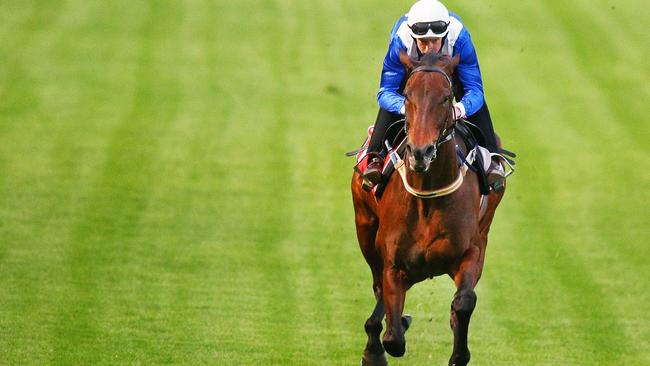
[[431, 151]]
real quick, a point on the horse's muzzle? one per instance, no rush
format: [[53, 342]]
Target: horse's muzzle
[[420, 157]]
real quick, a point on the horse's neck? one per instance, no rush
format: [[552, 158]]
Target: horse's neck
[[442, 172]]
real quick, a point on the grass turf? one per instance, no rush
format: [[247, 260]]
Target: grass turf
[[173, 188]]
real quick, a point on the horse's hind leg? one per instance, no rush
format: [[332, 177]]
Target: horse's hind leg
[[464, 302]]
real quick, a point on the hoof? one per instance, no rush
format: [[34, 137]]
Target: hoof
[[459, 360], [406, 322], [373, 359], [395, 348]]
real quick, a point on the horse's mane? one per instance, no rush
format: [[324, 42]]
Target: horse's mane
[[432, 58]]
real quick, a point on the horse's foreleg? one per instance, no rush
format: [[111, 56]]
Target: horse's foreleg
[[374, 354], [464, 302], [367, 224], [394, 288]]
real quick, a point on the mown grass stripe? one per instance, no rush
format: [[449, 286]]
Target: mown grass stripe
[[189, 229], [604, 310], [614, 69], [308, 162], [102, 240], [29, 214], [611, 252], [256, 152]]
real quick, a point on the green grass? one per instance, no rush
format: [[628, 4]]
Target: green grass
[[173, 188]]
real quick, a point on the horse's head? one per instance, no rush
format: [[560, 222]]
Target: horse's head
[[429, 106]]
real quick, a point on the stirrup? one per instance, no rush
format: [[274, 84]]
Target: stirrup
[[370, 179], [367, 185], [496, 176], [497, 182], [372, 176]]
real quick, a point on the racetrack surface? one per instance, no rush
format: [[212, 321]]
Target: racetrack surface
[[173, 188]]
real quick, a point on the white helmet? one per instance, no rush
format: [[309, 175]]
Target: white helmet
[[428, 18]]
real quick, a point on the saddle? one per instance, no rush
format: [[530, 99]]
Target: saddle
[[395, 136], [395, 141]]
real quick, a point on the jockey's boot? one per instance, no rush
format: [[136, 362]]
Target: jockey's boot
[[372, 174], [496, 176]]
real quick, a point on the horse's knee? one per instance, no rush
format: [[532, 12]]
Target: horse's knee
[[464, 302], [366, 220], [373, 326]]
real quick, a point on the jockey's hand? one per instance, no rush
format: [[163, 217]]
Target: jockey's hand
[[459, 111]]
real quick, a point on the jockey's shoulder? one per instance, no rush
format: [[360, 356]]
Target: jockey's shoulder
[[454, 15], [397, 25], [457, 30]]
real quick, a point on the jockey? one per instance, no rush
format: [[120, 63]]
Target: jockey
[[429, 26]]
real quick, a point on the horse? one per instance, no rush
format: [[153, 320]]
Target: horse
[[429, 223]]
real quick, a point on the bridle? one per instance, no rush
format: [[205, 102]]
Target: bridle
[[448, 131], [446, 135]]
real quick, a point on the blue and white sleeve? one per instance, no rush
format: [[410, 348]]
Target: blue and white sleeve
[[391, 79], [469, 74]]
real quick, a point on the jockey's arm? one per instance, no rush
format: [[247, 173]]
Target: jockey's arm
[[469, 74], [391, 79]]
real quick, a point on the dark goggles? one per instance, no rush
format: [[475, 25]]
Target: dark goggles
[[437, 27]]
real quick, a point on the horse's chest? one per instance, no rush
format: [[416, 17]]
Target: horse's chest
[[428, 239], [429, 252], [428, 258]]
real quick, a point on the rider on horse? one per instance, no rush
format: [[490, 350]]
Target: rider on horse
[[427, 27]]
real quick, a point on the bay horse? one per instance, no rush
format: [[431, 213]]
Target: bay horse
[[429, 223]]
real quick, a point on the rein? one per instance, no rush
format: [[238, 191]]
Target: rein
[[442, 138]]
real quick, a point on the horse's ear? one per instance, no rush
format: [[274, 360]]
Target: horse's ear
[[408, 62]]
